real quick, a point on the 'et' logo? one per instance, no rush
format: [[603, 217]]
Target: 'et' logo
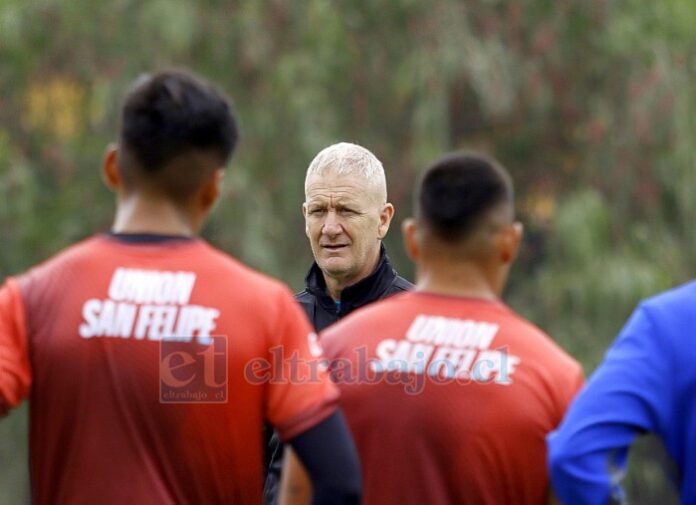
[[193, 372]]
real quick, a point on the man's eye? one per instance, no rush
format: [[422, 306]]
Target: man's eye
[[316, 212], [347, 211]]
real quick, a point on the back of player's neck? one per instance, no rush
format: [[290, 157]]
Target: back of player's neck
[[145, 214], [460, 279]]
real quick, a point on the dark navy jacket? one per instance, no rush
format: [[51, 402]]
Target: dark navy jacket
[[321, 308]]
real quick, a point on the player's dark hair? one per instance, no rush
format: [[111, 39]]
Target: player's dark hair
[[168, 115], [457, 193]]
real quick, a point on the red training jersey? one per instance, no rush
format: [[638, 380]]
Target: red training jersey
[[449, 399], [147, 365]]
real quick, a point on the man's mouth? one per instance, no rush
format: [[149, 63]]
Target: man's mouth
[[334, 247]]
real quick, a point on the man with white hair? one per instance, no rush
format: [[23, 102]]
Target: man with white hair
[[346, 217]]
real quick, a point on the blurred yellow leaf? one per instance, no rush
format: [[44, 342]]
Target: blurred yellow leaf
[[56, 107]]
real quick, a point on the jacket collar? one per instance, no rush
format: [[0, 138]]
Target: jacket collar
[[361, 293]]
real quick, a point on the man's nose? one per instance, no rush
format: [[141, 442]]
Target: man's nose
[[332, 225]]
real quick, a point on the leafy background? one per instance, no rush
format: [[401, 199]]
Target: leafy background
[[589, 103]]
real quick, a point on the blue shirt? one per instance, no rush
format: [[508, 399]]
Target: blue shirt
[[646, 383]]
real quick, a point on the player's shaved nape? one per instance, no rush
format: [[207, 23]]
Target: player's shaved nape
[[175, 131]]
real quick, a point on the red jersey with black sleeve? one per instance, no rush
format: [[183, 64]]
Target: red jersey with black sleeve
[[449, 399], [147, 367]]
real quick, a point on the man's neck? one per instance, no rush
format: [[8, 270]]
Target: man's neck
[[141, 214], [335, 286], [459, 279]]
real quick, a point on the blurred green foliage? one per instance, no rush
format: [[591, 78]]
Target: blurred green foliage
[[588, 103]]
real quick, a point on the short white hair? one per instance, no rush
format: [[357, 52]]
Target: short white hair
[[345, 158]]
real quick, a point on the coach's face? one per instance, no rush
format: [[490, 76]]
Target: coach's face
[[345, 221]]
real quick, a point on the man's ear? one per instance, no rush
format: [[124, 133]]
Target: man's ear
[[385, 217], [211, 190], [304, 215], [510, 240], [409, 234], [110, 173]]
